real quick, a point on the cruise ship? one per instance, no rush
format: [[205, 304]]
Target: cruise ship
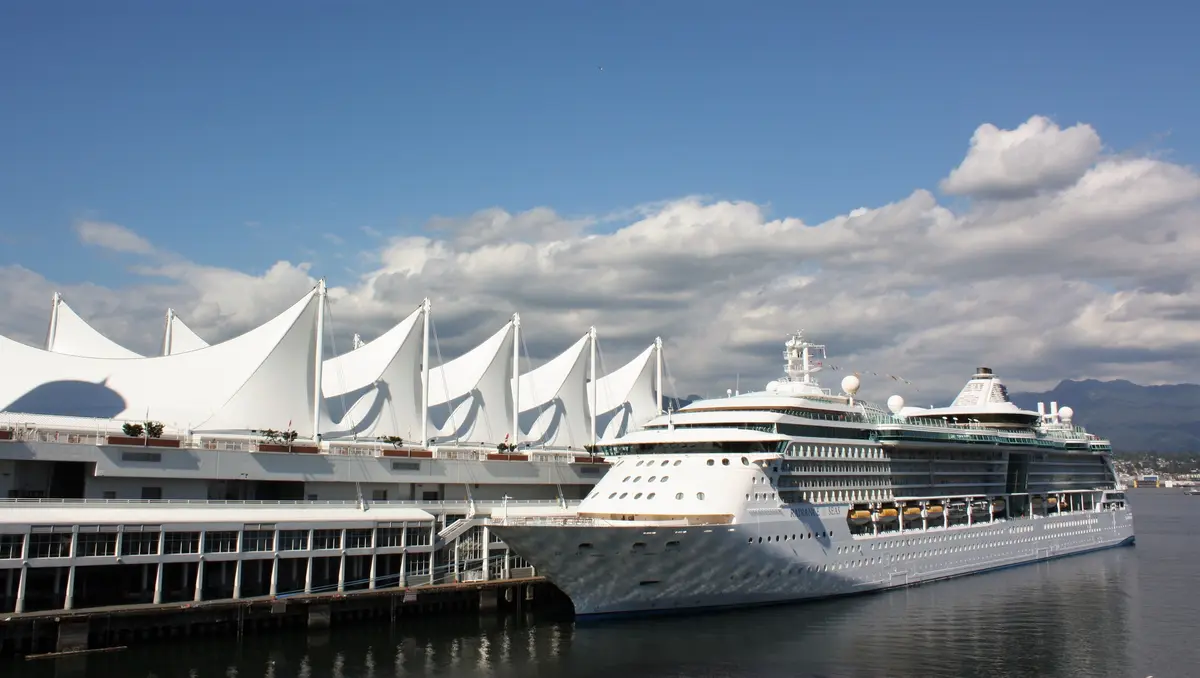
[[797, 492]]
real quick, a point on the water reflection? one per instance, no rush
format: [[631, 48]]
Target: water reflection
[[1073, 617]]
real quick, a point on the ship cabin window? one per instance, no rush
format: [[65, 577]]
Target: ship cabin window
[[665, 462], [724, 462], [585, 545], [637, 479], [710, 462], [700, 495], [679, 495], [626, 479], [612, 496], [677, 462], [638, 495], [639, 545], [664, 479], [745, 461], [651, 479], [623, 495], [650, 496]]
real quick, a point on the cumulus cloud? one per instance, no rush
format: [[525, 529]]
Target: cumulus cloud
[[1035, 156], [113, 237], [1064, 263]]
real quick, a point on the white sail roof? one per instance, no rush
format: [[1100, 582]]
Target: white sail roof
[[72, 335], [628, 396], [262, 379], [556, 394], [476, 388], [179, 338], [375, 390]]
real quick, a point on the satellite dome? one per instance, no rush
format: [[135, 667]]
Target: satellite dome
[[1065, 413], [850, 384], [895, 404], [773, 386]]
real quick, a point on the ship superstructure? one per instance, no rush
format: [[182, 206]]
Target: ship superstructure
[[798, 492]]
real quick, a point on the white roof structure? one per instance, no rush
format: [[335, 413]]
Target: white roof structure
[[555, 394], [71, 335], [178, 337], [984, 394], [476, 389], [262, 379], [630, 395], [375, 390]]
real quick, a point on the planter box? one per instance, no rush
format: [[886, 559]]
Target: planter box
[[420, 454], [500, 456], [6, 435], [294, 449], [590, 460], [143, 442]]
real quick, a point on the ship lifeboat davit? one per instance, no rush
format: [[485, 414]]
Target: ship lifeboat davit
[[980, 508], [859, 517], [887, 515]]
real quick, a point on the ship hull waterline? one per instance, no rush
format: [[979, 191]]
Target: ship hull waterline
[[721, 567]]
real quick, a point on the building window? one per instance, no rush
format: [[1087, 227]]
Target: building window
[[182, 542], [10, 546], [224, 541], [293, 540], [389, 536], [109, 494], [97, 544], [324, 540], [379, 495], [358, 539], [139, 543], [50, 545], [151, 493], [258, 540]]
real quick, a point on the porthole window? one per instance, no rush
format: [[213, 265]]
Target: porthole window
[[664, 479], [745, 461], [651, 479], [724, 462], [710, 462], [612, 495], [650, 496], [626, 479], [623, 495], [677, 462], [679, 495], [638, 495], [641, 462], [665, 462], [637, 479], [700, 495]]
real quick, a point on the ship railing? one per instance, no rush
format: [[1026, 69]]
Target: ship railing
[[553, 521]]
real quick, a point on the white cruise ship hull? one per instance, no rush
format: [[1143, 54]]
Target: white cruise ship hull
[[609, 570]]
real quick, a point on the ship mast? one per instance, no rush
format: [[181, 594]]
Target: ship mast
[[799, 356]]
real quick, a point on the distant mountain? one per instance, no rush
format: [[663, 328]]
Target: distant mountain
[[1135, 418]]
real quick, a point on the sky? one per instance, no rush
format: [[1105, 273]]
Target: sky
[[924, 187]]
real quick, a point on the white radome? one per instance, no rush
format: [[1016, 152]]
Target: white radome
[[1065, 413], [850, 384], [895, 404]]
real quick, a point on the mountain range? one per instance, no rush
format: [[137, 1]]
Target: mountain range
[[1135, 418]]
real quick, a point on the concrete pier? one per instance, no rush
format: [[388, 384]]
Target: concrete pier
[[129, 625]]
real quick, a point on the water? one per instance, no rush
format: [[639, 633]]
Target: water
[[1121, 612]]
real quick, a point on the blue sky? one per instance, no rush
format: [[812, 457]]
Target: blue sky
[[240, 133]]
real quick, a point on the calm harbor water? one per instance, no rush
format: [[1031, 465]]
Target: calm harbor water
[[1121, 612]]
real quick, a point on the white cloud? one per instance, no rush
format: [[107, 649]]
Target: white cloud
[[1066, 263], [1035, 156], [112, 237]]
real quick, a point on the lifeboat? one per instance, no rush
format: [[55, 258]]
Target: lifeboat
[[1051, 500], [912, 513], [933, 510], [860, 517], [998, 506], [887, 515]]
